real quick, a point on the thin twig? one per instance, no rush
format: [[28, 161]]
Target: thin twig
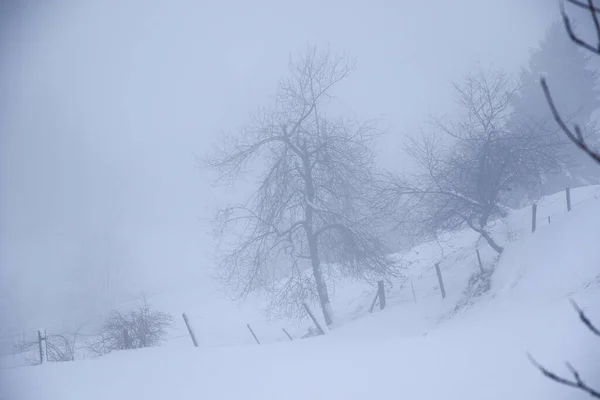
[[585, 319]]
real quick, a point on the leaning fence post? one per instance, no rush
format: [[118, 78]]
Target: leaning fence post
[[287, 334], [479, 260], [440, 280], [253, 334], [40, 338], [314, 320], [189, 328], [533, 216], [374, 302], [381, 291], [568, 191], [413, 291], [46, 344]]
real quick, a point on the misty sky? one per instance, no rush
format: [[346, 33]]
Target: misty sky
[[105, 105]]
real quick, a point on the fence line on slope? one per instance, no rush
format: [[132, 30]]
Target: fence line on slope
[[568, 204], [23, 349], [428, 281], [427, 285]]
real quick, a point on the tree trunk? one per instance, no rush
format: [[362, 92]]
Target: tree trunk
[[313, 246], [315, 260], [491, 242], [488, 238], [319, 280]]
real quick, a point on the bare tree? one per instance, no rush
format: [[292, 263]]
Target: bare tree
[[311, 205], [138, 328], [468, 172]]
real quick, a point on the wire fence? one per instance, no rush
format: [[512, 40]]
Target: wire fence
[[457, 255], [33, 347]]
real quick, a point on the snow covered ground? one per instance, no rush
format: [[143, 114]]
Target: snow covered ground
[[428, 349]]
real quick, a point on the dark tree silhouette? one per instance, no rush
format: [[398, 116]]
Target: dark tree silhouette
[[576, 95], [467, 178]]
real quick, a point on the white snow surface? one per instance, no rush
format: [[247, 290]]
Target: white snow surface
[[411, 350]]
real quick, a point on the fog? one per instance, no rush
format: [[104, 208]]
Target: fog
[[105, 106]]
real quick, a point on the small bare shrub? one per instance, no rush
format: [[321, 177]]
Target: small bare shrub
[[138, 328]]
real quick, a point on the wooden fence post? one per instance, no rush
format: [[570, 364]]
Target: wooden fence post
[[46, 344], [549, 220], [190, 330], [374, 302], [287, 334], [40, 338], [314, 320], [413, 291], [568, 191], [253, 334], [533, 216], [381, 291], [127, 339], [479, 260], [440, 280]]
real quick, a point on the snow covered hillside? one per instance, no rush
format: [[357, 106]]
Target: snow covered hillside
[[472, 344]]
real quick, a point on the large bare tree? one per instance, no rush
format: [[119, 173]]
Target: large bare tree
[[310, 210], [468, 172]]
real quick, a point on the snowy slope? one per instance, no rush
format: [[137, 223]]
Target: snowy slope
[[421, 350]]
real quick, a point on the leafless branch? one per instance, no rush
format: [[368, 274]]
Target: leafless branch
[[569, 27], [587, 5], [585, 319], [577, 382], [575, 135]]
